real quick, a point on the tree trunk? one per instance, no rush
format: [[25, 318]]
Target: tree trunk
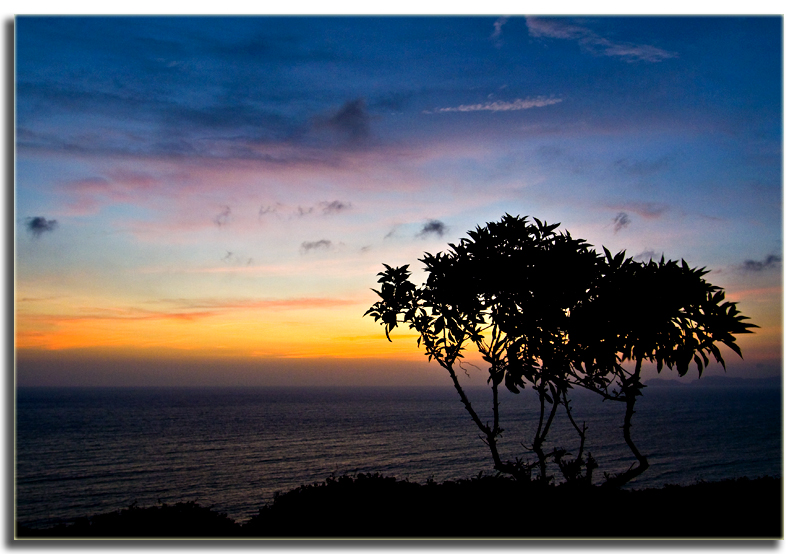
[[490, 433], [631, 388]]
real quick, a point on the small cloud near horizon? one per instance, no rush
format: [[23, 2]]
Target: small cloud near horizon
[[334, 207], [39, 225], [322, 244], [621, 221], [264, 210], [433, 227], [770, 262], [223, 217]]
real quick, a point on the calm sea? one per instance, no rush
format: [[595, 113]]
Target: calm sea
[[82, 451]]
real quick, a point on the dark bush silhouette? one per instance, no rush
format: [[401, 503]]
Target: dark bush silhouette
[[545, 310], [184, 519], [372, 505]]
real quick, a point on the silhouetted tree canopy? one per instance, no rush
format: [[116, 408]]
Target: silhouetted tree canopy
[[545, 310]]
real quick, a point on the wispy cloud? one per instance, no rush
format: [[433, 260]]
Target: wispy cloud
[[433, 227], [497, 27], [265, 210], [334, 207], [621, 221], [502, 106], [393, 232], [593, 42], [772, 261], [40, 225], [232, 258], [223, 217], [497, 32], [325, 207], [322, 244]]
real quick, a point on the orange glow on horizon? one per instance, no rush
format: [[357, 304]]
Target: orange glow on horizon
[[290, 328], [298, 330]]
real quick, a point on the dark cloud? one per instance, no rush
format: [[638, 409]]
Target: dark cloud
[[621, 221], [227, 128], [223, 217], [433, 227], [334, 207], [771, 262], [300, 211], [352, 121], [322, 244], [39, 225]]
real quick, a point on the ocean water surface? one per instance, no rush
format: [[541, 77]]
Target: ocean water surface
[[83, 451]]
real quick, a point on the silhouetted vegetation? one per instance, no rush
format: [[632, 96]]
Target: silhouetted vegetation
[[546, 311], [369, 505], [184, 519]]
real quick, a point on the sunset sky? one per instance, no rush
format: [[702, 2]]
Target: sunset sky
[[207, 201]]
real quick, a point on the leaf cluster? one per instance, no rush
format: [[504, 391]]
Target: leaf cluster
[[545, 308]]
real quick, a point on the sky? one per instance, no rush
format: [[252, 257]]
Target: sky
[[207, 201]]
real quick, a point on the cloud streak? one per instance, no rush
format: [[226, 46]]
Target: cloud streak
[[755, 266], [592, 42], [322, 244], [502, 106]]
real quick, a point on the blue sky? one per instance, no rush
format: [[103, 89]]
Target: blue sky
[[230, 186]]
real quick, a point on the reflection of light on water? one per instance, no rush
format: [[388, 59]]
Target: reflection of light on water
[[93, 451]]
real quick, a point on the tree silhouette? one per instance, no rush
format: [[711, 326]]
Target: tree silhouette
[[547, 311], [661, 312], [506, 290]]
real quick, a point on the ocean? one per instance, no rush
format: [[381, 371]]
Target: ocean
[[84, 451]]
